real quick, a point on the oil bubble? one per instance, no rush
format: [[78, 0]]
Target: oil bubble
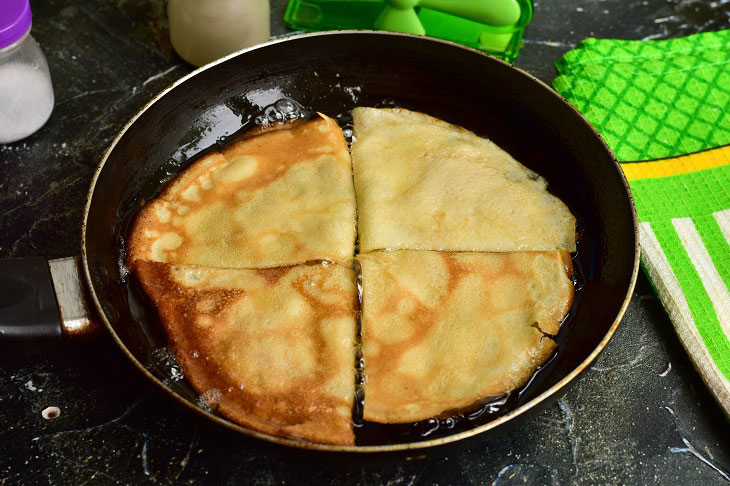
[[163, 360], [210, 399]]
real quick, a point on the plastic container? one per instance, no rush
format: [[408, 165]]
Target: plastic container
[[202, 31], [493, 26], [26, 91]]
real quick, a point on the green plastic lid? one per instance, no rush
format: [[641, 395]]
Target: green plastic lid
[[494, 26]]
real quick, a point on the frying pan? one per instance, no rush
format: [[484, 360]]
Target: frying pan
[[332, 73]]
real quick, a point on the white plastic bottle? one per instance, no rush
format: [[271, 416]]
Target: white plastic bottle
[[202, 31], [26, 92]]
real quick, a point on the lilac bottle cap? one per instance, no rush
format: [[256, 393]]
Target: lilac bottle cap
[[15, 20]]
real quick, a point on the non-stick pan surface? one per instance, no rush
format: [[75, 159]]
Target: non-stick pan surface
[[332, 73]]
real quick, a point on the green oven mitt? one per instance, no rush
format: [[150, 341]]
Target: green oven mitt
[[664, 108]]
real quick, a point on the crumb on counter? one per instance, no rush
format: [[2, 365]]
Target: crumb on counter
[[50, 413]]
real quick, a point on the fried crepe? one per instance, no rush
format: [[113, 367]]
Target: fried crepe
[[269, 349], [422, 183], [279, 198], [442, 331]]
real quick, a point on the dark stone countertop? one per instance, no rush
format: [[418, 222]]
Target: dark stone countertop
[[641, 415]]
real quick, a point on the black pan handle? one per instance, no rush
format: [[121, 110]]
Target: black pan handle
[[41, 302]]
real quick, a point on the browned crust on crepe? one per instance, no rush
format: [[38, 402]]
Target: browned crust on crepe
[[279, 198], [269, 349], [442, 331]]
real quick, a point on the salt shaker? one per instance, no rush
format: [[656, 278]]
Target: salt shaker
[[203, 31], [26, 92]]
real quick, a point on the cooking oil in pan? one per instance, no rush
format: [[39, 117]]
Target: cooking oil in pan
[[164, 361], [280, 112]]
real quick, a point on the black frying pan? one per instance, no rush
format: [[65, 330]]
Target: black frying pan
[[332, 73]]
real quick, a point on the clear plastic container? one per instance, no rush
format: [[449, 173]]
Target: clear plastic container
[[202, 31], [26, 91]]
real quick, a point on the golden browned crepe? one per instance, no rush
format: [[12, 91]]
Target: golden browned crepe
[[280, 198], [269, 341], [443, 330], [269, 349], [422, 183]]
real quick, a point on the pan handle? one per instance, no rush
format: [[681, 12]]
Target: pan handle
[[41, 302]]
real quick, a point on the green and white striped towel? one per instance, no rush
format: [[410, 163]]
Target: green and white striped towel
[[664, 108]]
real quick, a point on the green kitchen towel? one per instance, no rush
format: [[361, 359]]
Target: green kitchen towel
[[664, 108], [611, 50]]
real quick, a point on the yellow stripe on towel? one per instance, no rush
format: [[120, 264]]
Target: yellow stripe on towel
[[685, 164]]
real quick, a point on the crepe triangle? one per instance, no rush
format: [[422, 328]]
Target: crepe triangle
[[269, 349], [442, 331], [278, 198], [422, 183]]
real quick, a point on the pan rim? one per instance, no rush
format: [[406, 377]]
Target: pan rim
[[369, 449]]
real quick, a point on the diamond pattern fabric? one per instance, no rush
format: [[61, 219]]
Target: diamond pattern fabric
[[664, 109]]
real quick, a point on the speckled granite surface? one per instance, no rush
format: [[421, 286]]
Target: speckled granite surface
[[640, 416]]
